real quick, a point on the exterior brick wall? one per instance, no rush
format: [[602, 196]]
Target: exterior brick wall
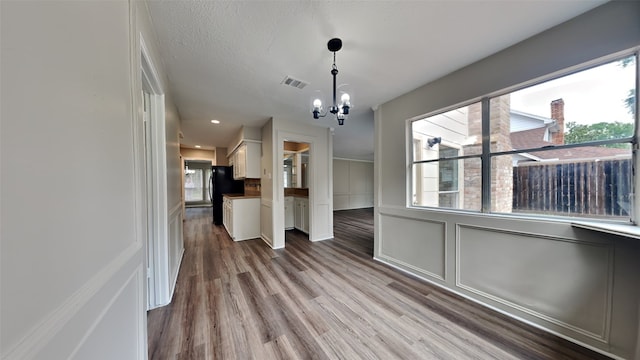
[[557, 114], [501, 167]]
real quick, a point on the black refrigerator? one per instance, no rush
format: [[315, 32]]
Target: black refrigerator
[[221, 182]]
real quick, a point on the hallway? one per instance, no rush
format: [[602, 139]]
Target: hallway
[[325, 300]]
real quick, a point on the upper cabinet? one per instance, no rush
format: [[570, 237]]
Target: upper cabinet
[[246, 160]]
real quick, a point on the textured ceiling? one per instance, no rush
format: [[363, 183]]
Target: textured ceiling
[[226, 59]]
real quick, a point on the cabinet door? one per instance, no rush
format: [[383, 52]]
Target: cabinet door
[[297, 209], [241, 155], [305, 216], [288, 213], [230, 220], [225, 217]]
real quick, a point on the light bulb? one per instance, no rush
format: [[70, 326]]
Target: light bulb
[[345, 98], [317, 104]]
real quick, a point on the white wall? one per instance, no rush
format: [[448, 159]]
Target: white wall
[[352, 184], [72, 270], [320, 178], [198, 154], [579, 284]]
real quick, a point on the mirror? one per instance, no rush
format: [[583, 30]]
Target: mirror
[[295, 164], [289, 176], [304, 164]]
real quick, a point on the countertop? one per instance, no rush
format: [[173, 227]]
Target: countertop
[[240, 196], [297, 192]]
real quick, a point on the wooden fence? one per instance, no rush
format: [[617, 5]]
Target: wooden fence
[[586, 188]]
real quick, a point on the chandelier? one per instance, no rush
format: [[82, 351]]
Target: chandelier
[[340, 111]]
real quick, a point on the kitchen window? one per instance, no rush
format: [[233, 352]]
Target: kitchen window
[[562, 147]]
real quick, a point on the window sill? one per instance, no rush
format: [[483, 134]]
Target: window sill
[[626, 230]]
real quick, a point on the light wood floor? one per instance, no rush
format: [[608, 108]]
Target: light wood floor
[[325, 300]]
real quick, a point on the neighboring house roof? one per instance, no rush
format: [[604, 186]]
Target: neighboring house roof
[[528, 139], [533, 139], [531, 131], [521, 121]]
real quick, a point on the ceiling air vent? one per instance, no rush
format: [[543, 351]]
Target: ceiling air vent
[[288, 80]]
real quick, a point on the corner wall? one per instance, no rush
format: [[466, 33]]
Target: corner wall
[[266, 182], [320, 178], [579, 284]]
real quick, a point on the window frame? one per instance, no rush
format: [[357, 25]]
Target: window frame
[[486, 155]]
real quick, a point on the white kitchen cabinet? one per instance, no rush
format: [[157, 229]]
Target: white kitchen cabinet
[[246, 160], [288, 213], [240, 163], [226, 215], [301, 214], [241, 217]]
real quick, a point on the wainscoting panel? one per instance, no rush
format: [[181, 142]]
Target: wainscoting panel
[[109, 308], [266, 221], [563, 281], [361, 201], [340, 202], [176, 245], [416, 245], [321, 225], [111, 337]]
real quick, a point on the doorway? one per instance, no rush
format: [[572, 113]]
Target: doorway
[[197, 177], [295, 172]]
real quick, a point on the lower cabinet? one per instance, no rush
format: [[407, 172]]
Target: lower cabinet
[[288, 213], [226, 215], [241, 218], [301, 214]]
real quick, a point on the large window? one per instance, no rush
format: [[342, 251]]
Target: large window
[[196, 182], [559, 148], [446, 159]]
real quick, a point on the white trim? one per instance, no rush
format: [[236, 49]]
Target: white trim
[[367, 161], [229, 153], [149, 71], [157, 180], [139, 174], [176, 215], [321, 239], [42, 334], [139, 274], [625, 230]]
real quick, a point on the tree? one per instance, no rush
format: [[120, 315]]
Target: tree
[[580, 133], [630, 101]]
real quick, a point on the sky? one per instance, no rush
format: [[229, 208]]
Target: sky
[[590, 96]]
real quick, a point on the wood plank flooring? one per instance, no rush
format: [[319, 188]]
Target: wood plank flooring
[[325, 300]]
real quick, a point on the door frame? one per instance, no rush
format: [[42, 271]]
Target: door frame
[[278, 183], [156, 183]]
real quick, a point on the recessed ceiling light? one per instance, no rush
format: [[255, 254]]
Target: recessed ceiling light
[[215, 121], [198, 146]]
